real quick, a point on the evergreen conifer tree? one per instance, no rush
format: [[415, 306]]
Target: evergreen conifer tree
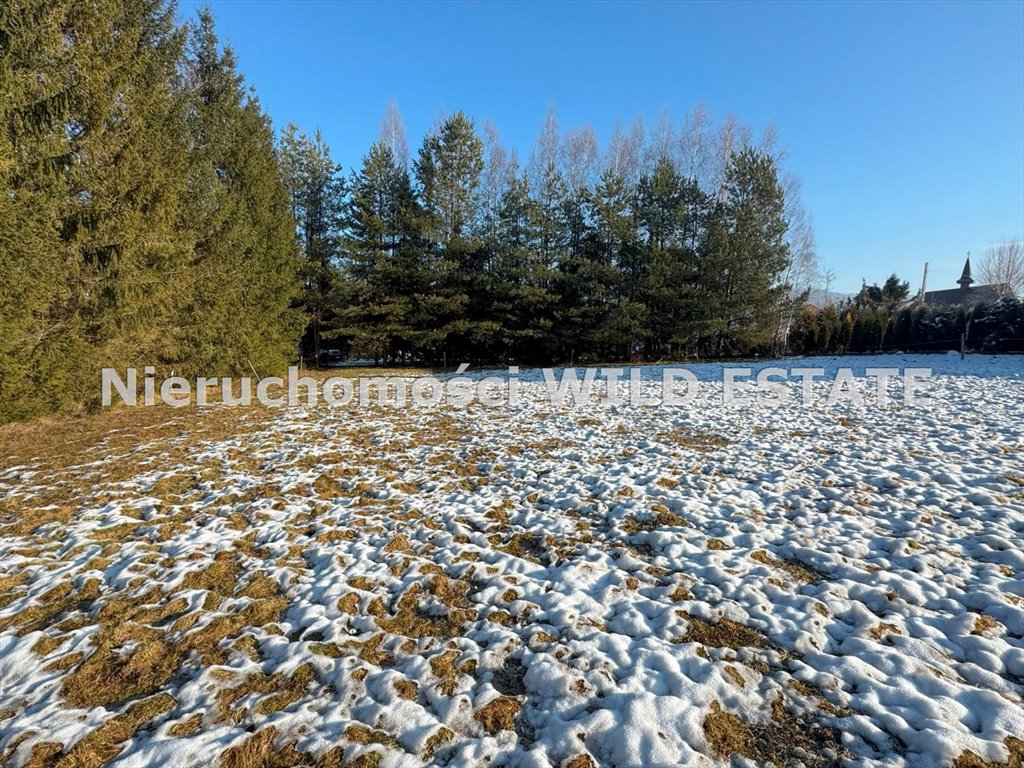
[[383, 259], [317, 191], [244, 274]]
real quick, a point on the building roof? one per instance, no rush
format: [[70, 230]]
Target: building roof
[[965, 295], [979, 294], [966, 279]]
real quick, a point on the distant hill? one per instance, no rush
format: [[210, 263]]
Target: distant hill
[[819, 297]]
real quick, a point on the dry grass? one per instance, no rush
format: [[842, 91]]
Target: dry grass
[[104, 744], [724, 633], [52, 606], [1015, 758], [44, 754], [277, 692], [136, 654], [112, 675], [412, 620], [220, 577], [785, 740], [436, 741], [983, 624], [694, 439], [527, 546], [734, 674], [60, 442], [809, 691], [186, 727], [407, 689], [498, 715], [331, 650], [443, 666], [21, 518], [56, 442], [360, 734], [883, 630], [662, 517], [259, 751], [207, 640], [797, 570], [370, 651]]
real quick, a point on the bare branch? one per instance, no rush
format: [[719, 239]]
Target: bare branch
[[1002, 265]]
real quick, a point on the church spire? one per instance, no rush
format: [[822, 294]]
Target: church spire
[[966, 279]]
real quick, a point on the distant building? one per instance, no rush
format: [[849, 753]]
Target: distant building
[[965, 295]]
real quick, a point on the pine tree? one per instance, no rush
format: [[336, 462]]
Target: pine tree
[[317, 191], [383, 257], [448, 171], [524, 282], [551, 211], [659, 204], [624, 326], [670, 213], [457, 300], [745, 253]]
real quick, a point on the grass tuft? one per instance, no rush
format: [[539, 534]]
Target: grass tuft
[[785, 740], [498, 715]]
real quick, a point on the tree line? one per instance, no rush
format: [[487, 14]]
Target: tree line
[[149, 215], [881, 319], [464, 255]]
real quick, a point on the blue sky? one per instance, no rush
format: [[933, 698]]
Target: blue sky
[[904, 121]]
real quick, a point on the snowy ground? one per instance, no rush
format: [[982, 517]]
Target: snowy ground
[[528, 587]]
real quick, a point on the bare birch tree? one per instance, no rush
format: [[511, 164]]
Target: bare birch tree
[[662, 143], [545, 151], [694, 144], [580, 155], [500, 165], [732, 137], [392, 134], [625, 152], [1002, 265]]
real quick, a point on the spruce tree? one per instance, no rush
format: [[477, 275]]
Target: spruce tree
[[93, 177], [244, 274], [129, 137], [40, 336]]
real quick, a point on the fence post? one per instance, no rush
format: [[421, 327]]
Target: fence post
[[963, 345]]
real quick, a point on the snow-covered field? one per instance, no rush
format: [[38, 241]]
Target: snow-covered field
[[529, 586]]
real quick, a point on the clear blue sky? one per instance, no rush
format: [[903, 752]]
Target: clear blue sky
[[904, 121]]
